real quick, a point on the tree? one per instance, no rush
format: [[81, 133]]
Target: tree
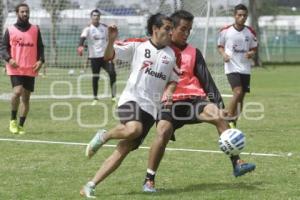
[[54, 7]]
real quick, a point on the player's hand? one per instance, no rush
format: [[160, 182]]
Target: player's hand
[[13, 63], [226, 57], [223, 113], [80, 50], [37, 66], [112, 32], [249, 54], [168, 104]]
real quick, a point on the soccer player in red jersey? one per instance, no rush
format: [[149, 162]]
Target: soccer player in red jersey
[[195, 100]]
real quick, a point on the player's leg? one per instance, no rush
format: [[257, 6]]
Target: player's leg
[[24, 109], [15, 101], [130, 131], [95, 79], [109, 67], [235, 103], [164, 131], [132, 126], [213, 115], [109, 166], [28, 87]]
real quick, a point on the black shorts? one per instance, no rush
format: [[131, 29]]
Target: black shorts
[[130, 111], [26, 81], [184, 112], [239, 80], [98, 63]]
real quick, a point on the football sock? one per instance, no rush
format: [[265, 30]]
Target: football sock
[[234, 160], [14, 115], [150, 175], [22, 121], [91, 184]]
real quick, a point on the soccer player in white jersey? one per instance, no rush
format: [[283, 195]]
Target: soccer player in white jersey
[[153, 71], [96, 36], [237, 44]]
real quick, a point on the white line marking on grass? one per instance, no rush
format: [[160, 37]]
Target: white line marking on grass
[[143, 147]]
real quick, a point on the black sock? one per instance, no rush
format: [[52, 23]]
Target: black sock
[[234, 160], [22, 121], [149, 177], [95, 85], [13, 115]]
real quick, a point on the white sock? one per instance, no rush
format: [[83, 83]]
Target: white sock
[[91, 184], [150, 171]]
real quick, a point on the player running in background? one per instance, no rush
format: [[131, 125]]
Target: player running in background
[[96, 36], [153, 70], [237, 44], [23, 50], [195, 100]]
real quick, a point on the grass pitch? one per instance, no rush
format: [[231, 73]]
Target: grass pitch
[[57, 171]]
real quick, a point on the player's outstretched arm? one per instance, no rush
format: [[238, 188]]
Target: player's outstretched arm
[[112, 36]]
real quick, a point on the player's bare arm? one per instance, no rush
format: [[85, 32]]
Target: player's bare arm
[[225, 56], [112, 36], [170, 89]]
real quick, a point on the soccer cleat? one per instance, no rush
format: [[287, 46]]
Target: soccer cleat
[[232, 124], [242, 168], [21, 130], [149, 186], [94, 102], [95, 144], [88, 191], [114, 99], [13, 127]]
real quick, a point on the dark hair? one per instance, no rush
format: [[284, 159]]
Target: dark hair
[[181, 14], [156, 20], [21, 5], [240, 7], [95, 11]]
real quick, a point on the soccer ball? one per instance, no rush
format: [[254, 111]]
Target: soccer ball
[[232, 141], [71, 72]]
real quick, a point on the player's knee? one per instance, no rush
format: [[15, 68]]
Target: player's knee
[[124, 148], [164, 133], [17, 93], [133, 132], [238, 92]]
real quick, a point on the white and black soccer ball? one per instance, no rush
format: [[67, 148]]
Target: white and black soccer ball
[[232, 141], [71, 72]]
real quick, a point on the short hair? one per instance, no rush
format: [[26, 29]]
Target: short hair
[[181, 14], [240, 7], [95, 11], [156, 20], [21, 5]]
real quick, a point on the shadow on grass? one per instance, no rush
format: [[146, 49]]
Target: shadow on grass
[[251, 186]]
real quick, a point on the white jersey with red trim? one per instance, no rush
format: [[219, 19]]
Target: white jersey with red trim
[[97, 39], [236, 44], [151, 70]]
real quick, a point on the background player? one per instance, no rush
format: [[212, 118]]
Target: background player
[[96, 35], [237, 44]]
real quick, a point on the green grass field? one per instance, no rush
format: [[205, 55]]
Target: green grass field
[[57, 171]]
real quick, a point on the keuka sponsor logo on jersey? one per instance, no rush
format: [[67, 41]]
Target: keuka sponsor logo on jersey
[[147, 65], [18, 42]]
